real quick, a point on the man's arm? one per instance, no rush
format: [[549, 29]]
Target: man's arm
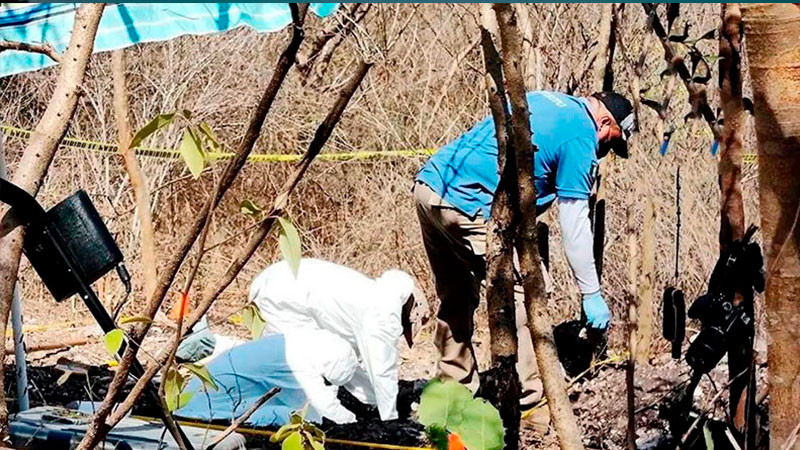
[[576, 234]]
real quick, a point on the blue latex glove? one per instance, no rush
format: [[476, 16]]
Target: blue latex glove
[[597, 313]]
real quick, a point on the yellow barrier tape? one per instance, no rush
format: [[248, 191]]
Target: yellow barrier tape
[[614, 359], [109, 148], [256, 432]]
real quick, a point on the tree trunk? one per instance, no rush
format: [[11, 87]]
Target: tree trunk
[[539, 321], [773, 51], [633, 317], [503, 388], [602, 63], [40, 152], [730, 163], [732, 223], [138, 181]]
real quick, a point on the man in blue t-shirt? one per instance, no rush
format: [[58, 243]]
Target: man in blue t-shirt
[[454, 193]]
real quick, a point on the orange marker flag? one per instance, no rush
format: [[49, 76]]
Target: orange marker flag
[[180, 308]]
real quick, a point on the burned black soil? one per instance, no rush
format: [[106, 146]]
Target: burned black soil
[[91, 386]]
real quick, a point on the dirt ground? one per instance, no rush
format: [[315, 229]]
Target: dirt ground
[[598, 397]]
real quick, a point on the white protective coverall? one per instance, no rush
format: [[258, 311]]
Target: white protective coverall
[[298, 364], [364, 312]]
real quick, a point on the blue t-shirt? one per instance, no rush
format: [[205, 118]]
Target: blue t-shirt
[[465, 173]]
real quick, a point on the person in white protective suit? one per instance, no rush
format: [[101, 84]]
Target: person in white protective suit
[[308, 368], [370, 314]]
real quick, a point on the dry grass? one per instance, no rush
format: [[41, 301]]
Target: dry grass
[[360, 213]]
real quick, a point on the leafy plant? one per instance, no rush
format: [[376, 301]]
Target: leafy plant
[[253, 320], [174, 396], [299, 434], [114, 340], [197, 141], [289, 241], [448, 408], [250, 209], [202, 373]]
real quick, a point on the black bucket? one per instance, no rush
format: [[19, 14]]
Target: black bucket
[[82, 229]]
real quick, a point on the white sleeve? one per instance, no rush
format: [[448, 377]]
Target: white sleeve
[[378, 353], [576, 233], [321, 397]]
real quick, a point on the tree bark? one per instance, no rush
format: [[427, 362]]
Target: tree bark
[[732, 220], [539, 321], [504, 390], [633, 317], [605, 43], [138, 181], [40, 152], [730, 163], [773, 51], [644, 324]]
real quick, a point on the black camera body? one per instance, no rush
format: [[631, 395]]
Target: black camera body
[[739, 271]]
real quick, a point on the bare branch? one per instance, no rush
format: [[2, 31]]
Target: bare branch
[[44, 49], [243, 418], [99, 427], [245, 253], [138, 181]]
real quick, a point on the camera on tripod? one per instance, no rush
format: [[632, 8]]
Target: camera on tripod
[[723, 319]]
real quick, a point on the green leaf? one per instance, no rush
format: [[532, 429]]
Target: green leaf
[[438, 437], [317, 445], [442, 404], [173, 387], [708, 437], [184, 399], [114, 339], [249, 208], [481, 427], [253, 320], [135, 319], [283, 432], [293, 442], [210, 136], [192, 152], [203, 374], [64, 377], [289, 241], [160, 121]]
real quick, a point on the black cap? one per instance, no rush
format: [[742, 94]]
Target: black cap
[[622, 111]]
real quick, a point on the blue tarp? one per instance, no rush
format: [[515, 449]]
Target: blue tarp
[[126, 24]]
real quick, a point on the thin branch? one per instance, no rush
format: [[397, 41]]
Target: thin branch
[[698, 97], [324, 131], [44, 49], [99, 427], [243, 418], [138, 180]]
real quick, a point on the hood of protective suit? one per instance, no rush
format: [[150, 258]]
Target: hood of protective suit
[[397, 288]]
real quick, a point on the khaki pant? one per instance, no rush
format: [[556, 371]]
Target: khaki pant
[[456, 248]]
